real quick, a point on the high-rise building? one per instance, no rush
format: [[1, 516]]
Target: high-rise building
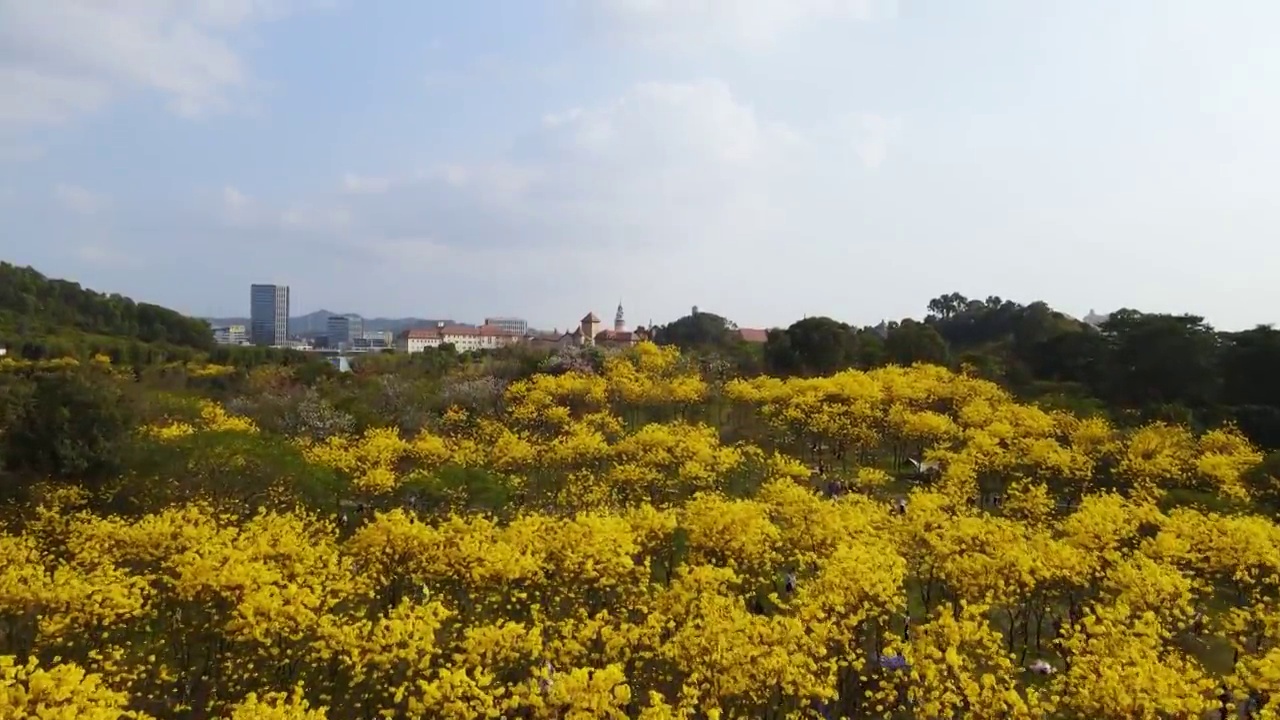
[[513, 325], [355, 327], [339, 330], [268, 314]]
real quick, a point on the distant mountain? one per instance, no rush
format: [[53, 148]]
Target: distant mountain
[[316, 323]]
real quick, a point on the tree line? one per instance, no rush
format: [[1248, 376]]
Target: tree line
[[1134, 366], [37, 311]]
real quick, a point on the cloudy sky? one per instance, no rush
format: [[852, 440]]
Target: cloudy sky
[[764, 159]]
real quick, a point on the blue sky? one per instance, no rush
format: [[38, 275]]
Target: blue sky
[[764, 159]]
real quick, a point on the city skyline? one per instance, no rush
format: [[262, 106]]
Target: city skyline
[[354, 320], [765, 159], [350, 325]]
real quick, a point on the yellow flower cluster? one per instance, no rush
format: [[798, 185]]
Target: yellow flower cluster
[[565, 441], [649, 568], [213, 418], [12, 364], [777, 605], [983, 441], [208, 370]]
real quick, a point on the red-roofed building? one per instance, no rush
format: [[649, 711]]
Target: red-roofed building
[[463, 337], [753, 335], [589, 332]]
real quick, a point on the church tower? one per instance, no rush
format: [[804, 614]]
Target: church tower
[[618, 322]]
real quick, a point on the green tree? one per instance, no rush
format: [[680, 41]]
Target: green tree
[[812, 346], [65, 423], [1160, 360], [1264, 483], [1250, 383], [912, 342], [699, 331], [945, 306], [34, 306]]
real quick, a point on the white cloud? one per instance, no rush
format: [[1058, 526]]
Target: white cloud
[[416, 252], [501, 182], [80, 200], [14, 152], [234, 199], [316, 219], [747, 24], [29, 95], [104, 256], [873, 135], [557, 119], [312, 216], [685, 122], [238, 209], [359, 185], [607, 193], [657, 166], [63, 58]]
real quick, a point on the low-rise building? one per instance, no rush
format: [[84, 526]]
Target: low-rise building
[[542, 338], [514, 325], [463, 338], [368, 343], [231, 335]]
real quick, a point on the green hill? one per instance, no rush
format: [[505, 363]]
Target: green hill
[[46, 316]]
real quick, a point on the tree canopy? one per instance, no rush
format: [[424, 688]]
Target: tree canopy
[[1140, 365], [33, 307], [1135, 366]]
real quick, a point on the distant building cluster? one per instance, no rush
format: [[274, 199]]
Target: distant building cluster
[[462, 337], [365, 341], [500, 332], [343, 330], [269, 326]]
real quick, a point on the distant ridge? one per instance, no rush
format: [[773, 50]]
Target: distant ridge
[[316, 323]]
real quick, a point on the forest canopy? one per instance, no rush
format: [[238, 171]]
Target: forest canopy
[[34, 307]]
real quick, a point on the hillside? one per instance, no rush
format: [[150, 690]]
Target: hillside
[[34, 308]]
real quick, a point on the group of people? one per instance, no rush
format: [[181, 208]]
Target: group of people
[[359, 509], [836, 488]]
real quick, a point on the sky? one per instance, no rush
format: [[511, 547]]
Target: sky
[[762, 159]]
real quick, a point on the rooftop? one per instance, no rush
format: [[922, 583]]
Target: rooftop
[[444, 331]]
